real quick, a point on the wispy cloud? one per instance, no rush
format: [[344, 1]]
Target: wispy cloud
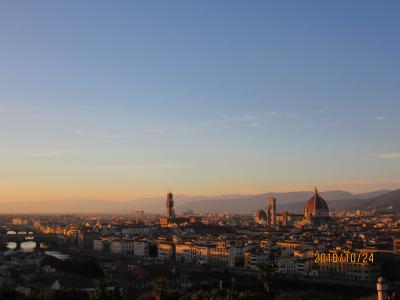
[[380, 118], [317, 118], [155, 131], [240, 120], [152, 166], [390, 155], [44, 154], [189, 129], [280, 115], [237, 119], [208, 128], [221, 123], [117, 135]]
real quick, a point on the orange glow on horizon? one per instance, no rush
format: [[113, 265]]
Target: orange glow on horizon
[[14, 191]]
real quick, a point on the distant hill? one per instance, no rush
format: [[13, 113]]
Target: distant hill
[[387, 201], [379, 200], [150, 205], [292, 201]]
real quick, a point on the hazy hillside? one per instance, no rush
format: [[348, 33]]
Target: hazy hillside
[[151, 205], [379, 200], [386, 201], [293, 201]]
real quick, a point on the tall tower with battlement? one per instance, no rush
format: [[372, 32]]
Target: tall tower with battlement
[[170, 205]]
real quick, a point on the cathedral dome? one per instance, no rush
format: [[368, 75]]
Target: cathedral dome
[[316, 206]]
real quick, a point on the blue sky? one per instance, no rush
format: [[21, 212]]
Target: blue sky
[[126, 99]]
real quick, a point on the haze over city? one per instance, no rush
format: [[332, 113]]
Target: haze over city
[[203, 98]]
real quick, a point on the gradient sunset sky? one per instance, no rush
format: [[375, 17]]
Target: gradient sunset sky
[[119, 100]]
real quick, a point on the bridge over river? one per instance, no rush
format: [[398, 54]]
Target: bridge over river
[[20, 235]]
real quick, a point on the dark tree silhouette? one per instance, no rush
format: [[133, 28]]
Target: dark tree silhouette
[[267, 273]]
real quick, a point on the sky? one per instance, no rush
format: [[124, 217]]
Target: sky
[[127, 99]]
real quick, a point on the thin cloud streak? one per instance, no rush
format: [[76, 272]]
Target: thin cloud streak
[[187, 129], [237, 119], [223, 122], [45, 154], [285, 115], [155, 131], [241, 120], [390, 155], [107, 135], [153, 166]]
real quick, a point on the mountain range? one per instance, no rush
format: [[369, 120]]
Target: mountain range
[[291, 201]]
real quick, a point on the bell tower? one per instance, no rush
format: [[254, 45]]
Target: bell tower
[[272, 211], [170, 205]]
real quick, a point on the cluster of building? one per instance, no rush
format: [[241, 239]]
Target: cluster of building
[[316, 212], [240, 243], [290, 240]]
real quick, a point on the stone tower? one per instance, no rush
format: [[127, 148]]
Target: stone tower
[[272, 211], [170, 205]]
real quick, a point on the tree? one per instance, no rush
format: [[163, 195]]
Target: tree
[[8, 294], [268, 276], [224, 294], [117, 293], [100, 292], [163, 290], [70, 294], [146, 296]]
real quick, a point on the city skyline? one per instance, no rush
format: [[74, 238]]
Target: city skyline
[[121, 102]]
